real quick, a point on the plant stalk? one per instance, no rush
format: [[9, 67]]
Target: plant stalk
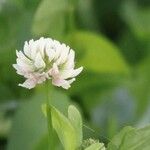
[[49, 116]]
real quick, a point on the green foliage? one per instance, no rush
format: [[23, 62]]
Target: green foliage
[[46, 23], [98, 53], [85, 13], [29, 127], [69, 130], [27, 122], [76, 121], [5, 124], [96, 146], [50, 18], [137, 19], [131, 138], [113, 90], [14, 25], [91, 144], [64, 130]]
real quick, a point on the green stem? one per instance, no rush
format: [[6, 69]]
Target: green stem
[[49, 117]]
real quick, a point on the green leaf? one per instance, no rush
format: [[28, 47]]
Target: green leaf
[[97, 54], [119, 138], [130, 138], [64, 129], [76, 121], [29, 125], [96, 146], [50, 18]]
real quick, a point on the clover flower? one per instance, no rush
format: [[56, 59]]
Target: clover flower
[[45, 59]]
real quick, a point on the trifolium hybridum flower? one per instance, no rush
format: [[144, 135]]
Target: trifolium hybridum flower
[[45, 59]]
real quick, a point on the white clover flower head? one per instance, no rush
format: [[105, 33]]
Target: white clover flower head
[[45, 59]]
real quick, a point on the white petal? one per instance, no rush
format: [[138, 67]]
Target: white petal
[[70, 62], [66, 84], [23, 57], [33, 48], [24, 65], [41, 80], [41, 46], [71, 80], [27, 50], [43, 53], [50, 52], [60, 82], [65, 74], [29, 84], [76, 72], [57, 48], [18, 69], [21, 71], [54, 71], [39, 63], [64, 55], [15, 66], [40, 77]]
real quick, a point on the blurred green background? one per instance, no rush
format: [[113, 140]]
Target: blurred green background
[[112, 42]]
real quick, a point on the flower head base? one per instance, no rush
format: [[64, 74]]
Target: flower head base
[[46, 59]]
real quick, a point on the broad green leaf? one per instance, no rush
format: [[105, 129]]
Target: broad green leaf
[[116, 142], [137, 18], [97, 54], [29, 124], [76, 121], [130, 138], [50, 18], [64, 129], [96, 146]]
